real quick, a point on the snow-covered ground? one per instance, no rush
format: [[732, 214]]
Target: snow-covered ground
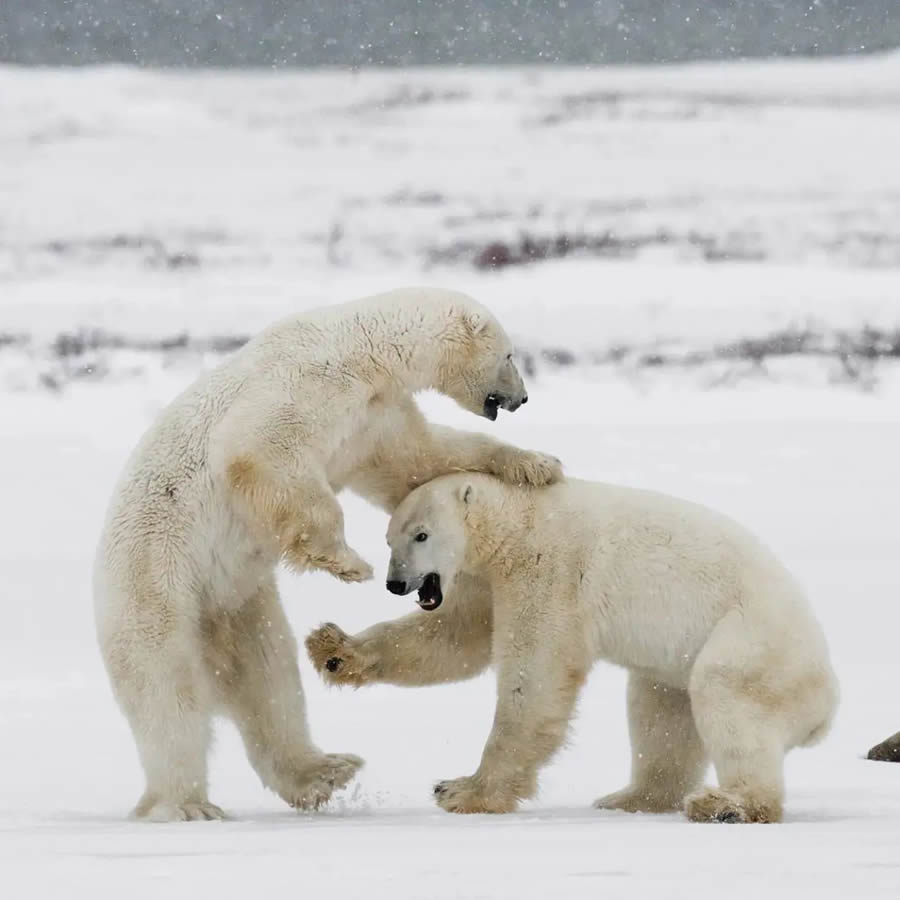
[[756, 199], [815, 475], [140, 207]]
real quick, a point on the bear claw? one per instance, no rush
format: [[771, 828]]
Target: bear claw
[[729, 816]]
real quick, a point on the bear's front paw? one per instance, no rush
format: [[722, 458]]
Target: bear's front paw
[[469, 795], [337, 657], [347, 565], [530, 468], [311, 550]]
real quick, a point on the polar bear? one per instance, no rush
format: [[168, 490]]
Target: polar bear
[[239, 473], [726, 662]]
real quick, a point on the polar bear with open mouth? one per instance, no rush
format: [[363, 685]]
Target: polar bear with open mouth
[[240, 473], [726, 662]]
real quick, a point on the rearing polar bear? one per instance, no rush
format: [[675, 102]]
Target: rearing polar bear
[[725, 660], [239, 473]]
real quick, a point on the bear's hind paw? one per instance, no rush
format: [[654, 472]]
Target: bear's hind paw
[[313, 785], [716, 805], [186, 811]]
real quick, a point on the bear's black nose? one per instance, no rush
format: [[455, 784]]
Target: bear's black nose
[[397, 587], [525, 399]]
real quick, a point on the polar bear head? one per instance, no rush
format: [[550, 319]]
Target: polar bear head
[[429, 538], [477, 368]]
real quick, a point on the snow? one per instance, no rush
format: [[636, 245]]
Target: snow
[[239, 197], [818, 486], [250, 172]]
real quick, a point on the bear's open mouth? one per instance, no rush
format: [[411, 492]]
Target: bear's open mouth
[[492, 403], [430, 596], [496, 401]]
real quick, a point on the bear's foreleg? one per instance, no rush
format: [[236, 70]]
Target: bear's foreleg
[[296, 506], [413, 452], [538, 679], [469, 452], [423, 648]]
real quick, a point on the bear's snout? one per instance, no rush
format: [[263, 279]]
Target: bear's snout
[[397, 587]]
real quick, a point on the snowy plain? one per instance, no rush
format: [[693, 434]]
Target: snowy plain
[[176, 212]]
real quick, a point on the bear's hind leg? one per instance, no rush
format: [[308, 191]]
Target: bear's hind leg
[[165, 697], [740, 720], [749, 765], [252, 654], [667, 755]]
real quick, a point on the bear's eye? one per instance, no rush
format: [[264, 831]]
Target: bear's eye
[[421, 536]]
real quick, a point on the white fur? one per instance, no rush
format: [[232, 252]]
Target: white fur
[[726, 660], [241, 472]]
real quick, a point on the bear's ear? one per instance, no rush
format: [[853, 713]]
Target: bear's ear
[[475, 322], [466, 493]]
